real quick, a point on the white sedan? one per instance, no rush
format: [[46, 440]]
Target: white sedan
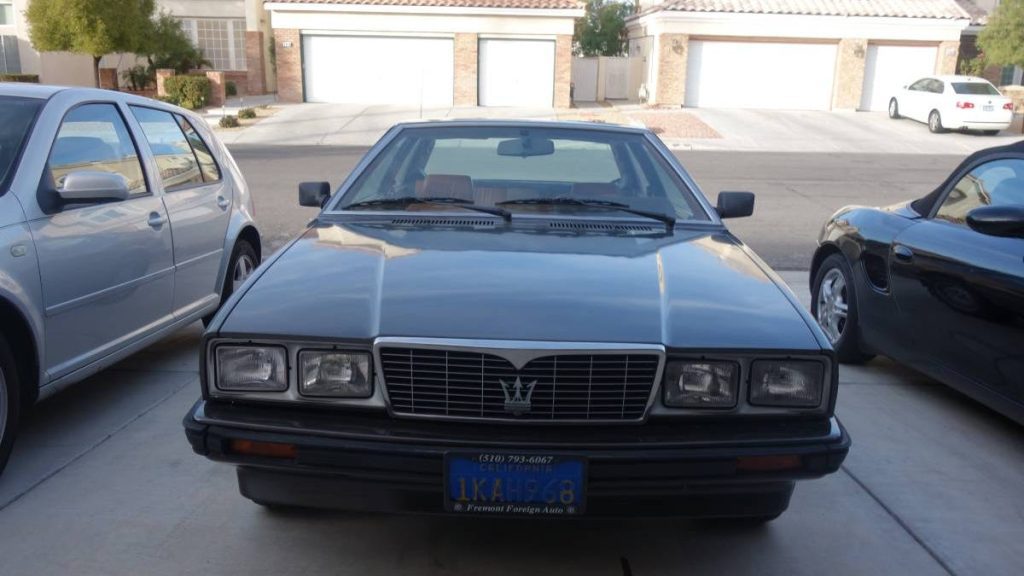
[[953, 103]]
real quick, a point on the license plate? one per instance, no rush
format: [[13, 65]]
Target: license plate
[[516, 484], [988, 108]]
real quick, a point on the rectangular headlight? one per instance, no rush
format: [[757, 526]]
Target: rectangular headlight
[[252, 368], [701, 384], [787, 383], [334, 374]]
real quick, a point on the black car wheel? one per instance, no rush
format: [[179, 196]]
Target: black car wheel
[[834, 306], [9, 402], [935, 122], [894, 109], [242, 264]]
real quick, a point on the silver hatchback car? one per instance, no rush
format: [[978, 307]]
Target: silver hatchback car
[[121, 220]]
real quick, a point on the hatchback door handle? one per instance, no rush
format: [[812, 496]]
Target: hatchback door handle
[[903, 253], [223, 202], [156, 220]]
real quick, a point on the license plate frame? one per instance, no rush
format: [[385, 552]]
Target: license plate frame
[[525, 466]]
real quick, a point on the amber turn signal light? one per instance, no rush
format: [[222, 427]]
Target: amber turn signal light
[[265, 449]]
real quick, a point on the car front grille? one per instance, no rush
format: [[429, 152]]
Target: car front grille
[[561, 387]]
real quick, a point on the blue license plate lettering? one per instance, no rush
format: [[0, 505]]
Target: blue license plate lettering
[[523, 484]]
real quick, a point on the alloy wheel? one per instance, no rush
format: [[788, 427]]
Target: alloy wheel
[[833, 305], [243, 269]]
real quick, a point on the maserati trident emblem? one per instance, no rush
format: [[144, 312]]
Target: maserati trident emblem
[[517, 395]]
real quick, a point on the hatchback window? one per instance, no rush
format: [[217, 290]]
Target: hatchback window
[[529, 166], [178, 165], [996, 183], [16, 117], [95, 137], [978, 88]]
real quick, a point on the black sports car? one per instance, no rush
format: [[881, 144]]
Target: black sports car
[[937, 283]]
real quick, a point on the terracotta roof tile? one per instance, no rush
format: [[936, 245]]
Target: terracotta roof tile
[[948, 9], [534, 4]]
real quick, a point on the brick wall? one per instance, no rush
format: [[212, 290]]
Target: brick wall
[[948, 53], [563, 70], [288, 47], [255, 63], [671, 69], [849, 82], [466, 47]]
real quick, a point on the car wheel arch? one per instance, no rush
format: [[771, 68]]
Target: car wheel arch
[[18, 333], [824, 251], [252, 236]]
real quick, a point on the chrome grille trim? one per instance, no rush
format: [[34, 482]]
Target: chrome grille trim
[[458, 379]]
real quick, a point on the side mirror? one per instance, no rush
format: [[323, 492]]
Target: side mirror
[[735, 204], [314, 194], [93, 186], [997, 220]]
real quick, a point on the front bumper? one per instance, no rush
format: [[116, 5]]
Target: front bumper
[[372, 462]]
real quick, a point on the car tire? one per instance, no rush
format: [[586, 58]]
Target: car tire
[[243, 262], [834, 275], [935, 122], [10, 402], [894, 109]]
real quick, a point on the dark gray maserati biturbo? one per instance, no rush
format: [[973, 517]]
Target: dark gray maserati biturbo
[[519, 318]]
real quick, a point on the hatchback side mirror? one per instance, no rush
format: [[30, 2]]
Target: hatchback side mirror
[[997, 220], [314, 194], [735, 204], [93, 186]]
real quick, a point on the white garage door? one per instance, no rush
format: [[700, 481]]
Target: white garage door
[[517, 72], [760, 75], [888, 68], [378, 70]]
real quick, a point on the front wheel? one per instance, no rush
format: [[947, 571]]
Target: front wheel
[[894, 109], [834, 306], [244, 261], [10, 405], [935, 123]]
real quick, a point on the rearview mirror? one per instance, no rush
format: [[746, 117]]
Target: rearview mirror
[[314, 194], [997, 220], [93, 186], [526, 146], [735, 204]]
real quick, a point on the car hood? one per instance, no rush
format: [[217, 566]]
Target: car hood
[[693, 289]]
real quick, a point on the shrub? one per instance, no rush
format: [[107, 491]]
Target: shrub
[[228, 121], [138, 77], [168, 99], [230, 88], [30, 78], [247, 113], [190, 91]]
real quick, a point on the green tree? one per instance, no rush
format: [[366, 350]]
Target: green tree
[[167, 46], [602, 30], [93, 27], [1002, 39]]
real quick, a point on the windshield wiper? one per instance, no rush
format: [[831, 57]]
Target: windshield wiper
[[668, 219], [407, 200]]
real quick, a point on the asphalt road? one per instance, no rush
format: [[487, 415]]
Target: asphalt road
[[796, 192]]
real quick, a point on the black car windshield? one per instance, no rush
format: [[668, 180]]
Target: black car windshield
[[16, 117], [981, 88], [522, 169]]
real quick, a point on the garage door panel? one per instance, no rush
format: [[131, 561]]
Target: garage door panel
[[516, 72], [378, 70], [794, 76], [888, 68]]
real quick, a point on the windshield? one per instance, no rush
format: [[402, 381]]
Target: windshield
[[982, 88], [488, 166], [16, 116]]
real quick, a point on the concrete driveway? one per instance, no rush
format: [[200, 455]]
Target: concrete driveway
[[103, 482]]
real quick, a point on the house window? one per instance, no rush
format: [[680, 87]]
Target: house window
[[6, 13], [9, 61], [222, 40]]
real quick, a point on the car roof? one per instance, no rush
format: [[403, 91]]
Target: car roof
[[28, 90], [540, 123], [959, 78]]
